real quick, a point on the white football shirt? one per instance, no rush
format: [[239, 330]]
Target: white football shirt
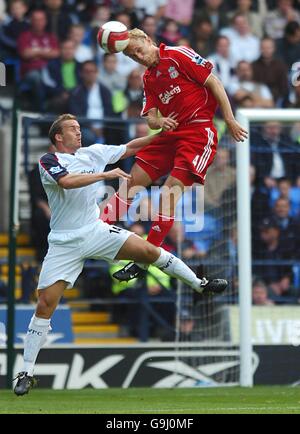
[[74, 208]]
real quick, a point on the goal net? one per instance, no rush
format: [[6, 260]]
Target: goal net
[[207, 241], [249, 237]]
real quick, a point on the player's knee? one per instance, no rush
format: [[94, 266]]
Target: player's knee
[[150, 253]]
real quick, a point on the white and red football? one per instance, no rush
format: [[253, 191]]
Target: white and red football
[[113, 37]]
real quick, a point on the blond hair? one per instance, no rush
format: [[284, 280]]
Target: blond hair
[[137, 34], [56, 127]]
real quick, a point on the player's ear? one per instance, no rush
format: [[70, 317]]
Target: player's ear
[[57, 137]]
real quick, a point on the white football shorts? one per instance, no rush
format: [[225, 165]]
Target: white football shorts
[[68, 251]]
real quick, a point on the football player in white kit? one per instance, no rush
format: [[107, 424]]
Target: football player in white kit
[[70, 178]]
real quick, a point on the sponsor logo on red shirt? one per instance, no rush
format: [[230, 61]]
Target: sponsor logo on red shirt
[[169, 94]]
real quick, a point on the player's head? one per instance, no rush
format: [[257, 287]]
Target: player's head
[[141, 48], [65, 133]]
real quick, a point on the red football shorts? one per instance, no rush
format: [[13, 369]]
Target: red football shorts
[[185, 153]]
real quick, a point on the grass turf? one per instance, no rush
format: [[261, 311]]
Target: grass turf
[[273, 399]]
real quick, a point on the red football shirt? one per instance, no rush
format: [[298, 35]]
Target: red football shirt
[[29, 40], [176, 85]]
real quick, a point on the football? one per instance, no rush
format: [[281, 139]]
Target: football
[[113, 37]]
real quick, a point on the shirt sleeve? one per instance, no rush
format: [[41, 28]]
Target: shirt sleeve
[[191, 64], [107, 154], [50, 169], [148, 101]]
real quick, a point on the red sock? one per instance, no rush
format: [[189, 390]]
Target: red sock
[[115, 209], [160, 229]]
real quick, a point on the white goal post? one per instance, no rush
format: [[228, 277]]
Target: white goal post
[[245, 117], [20, 115]]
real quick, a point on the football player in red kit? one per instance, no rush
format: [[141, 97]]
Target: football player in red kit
[[181, 97]]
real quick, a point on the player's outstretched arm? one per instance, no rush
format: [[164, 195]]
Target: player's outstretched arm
[[136, 145], [73, 180], [217, 88]]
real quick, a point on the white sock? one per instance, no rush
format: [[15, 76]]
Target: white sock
[[35, 338], [174, 267], [142, 266]]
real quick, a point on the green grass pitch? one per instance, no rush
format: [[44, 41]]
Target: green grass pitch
[[273, 399]]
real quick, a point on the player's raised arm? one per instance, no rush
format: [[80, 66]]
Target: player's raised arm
[[217, 88], [136, 145], [74, 180]]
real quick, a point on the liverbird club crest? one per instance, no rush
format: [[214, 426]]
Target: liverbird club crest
[[173, 72]]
